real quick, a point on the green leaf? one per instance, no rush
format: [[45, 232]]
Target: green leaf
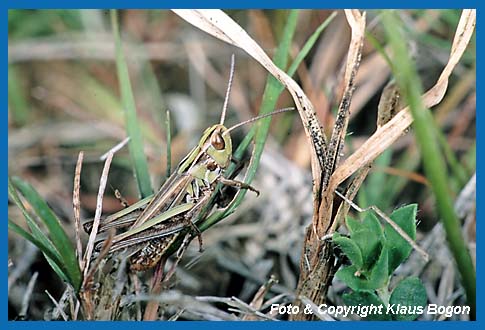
[[371, 239], [363, 281], [132, 127], [368, 244], [58, 236], [372, 223], [350, 249], [411, 293], [379, 273], [359, 298], [353, 225], [349, 275], [399, 249], [368, 235]]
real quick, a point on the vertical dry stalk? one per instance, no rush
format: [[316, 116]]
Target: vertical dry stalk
[[317, 262], [86, 293]]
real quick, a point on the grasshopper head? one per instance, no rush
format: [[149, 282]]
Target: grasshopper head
[[217, 145]]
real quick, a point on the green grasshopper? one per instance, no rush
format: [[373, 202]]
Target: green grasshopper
[[154, 223]]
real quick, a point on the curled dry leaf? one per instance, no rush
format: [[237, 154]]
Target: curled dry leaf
[[387, 134]]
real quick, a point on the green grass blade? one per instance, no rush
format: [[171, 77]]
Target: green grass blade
[[270, 97], [133, 128], [459, 172], [309, 45], [58, 236], [291, 71], [51, 257], [36, 231], [377, 45], [433, 160]]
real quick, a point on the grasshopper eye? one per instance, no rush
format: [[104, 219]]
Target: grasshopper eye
[[217, 141]]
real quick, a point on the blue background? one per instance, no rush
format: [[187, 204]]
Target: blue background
[[4, 324]]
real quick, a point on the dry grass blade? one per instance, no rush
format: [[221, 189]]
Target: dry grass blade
[[237, 305], [28, 295], [97, 215], [86, 294], [248, 310], [66, 298], [116, 148], [76, 203], [103, 253], [196, 307], [22, 265], [197, 55], [466, 200], [357, 24], [221, 26], [58, 306], [258, 298], [390, 132]]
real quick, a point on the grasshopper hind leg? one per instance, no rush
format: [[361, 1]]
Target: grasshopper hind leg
[[150, 255]]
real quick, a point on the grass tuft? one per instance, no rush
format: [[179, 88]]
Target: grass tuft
[[57, 247]]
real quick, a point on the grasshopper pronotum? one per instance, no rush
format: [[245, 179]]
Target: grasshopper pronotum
[[154, 223]]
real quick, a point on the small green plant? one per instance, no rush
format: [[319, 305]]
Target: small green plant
[[374, 253]]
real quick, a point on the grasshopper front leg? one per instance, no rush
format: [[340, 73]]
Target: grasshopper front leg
[[238, 184]]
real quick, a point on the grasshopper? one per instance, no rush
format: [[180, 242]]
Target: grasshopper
[[154, 223]]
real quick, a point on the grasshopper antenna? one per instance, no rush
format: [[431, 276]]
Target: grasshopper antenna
[[228, 91], [257, 118]]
